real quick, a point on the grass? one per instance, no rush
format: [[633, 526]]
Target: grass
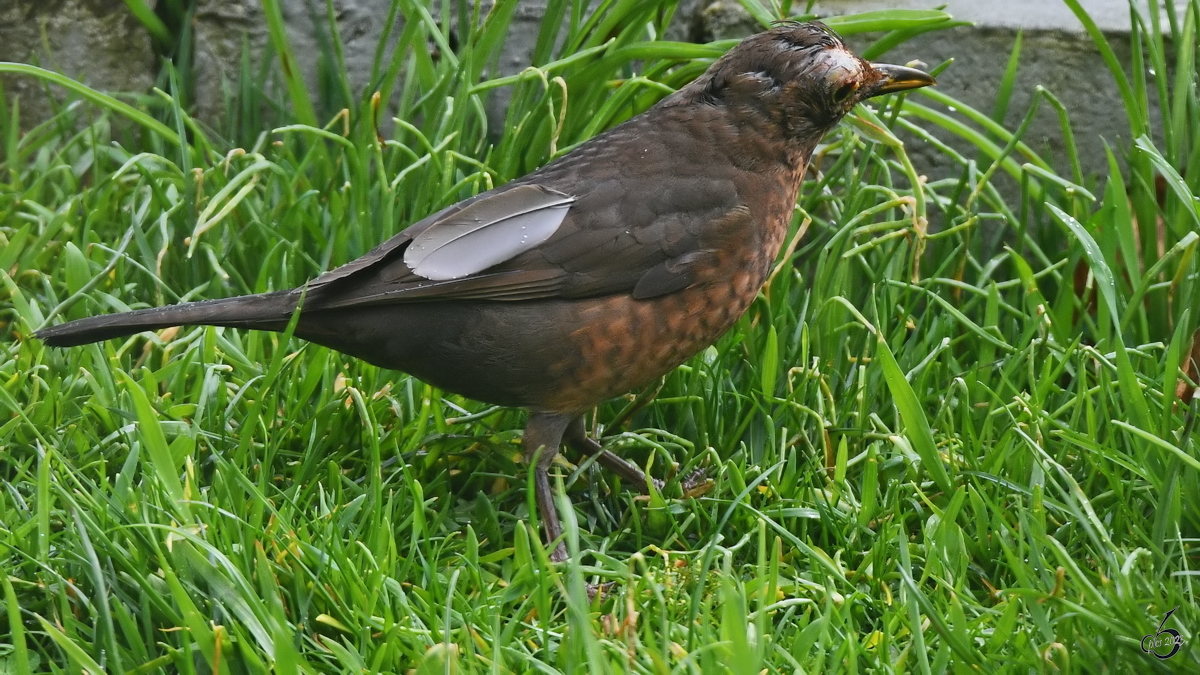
[[926, 455]]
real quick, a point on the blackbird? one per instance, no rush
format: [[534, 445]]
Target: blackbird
[[594, 275]]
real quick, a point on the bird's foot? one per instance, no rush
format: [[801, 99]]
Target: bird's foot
[[696, 484], [559, 554], [600, 590]]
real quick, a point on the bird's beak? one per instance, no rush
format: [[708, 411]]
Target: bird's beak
[[899, 78]]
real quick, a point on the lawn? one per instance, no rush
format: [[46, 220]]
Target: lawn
[[925, 451]]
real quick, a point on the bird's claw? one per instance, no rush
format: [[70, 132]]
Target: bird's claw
[[600, 590], [696, 484]]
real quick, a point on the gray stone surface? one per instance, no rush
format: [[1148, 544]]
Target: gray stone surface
[[1068, 65], [1063, 60], [1109, 15], [225, 27], [97, 42]]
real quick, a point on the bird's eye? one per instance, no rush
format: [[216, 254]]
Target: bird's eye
[[842, 93]]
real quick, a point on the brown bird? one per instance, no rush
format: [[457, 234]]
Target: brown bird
[[594, 275]]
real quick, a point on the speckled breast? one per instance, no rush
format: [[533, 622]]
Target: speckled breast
[[623, 344]]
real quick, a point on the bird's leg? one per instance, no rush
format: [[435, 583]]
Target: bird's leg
[[577, 438], [543, 436]]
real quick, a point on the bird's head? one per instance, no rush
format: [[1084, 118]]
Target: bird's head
[[800, 77]]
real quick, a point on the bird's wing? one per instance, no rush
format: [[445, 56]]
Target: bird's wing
[[525, 241], [642, 237]]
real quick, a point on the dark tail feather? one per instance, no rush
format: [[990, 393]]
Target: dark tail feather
[[269, 311]]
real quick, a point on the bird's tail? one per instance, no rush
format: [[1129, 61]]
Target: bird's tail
[[268, 311]]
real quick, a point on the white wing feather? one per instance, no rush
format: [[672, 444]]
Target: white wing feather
[[487, 232]]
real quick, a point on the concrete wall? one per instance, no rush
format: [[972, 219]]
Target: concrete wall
[[1048, 15], [1056, 54], [97, 42]]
